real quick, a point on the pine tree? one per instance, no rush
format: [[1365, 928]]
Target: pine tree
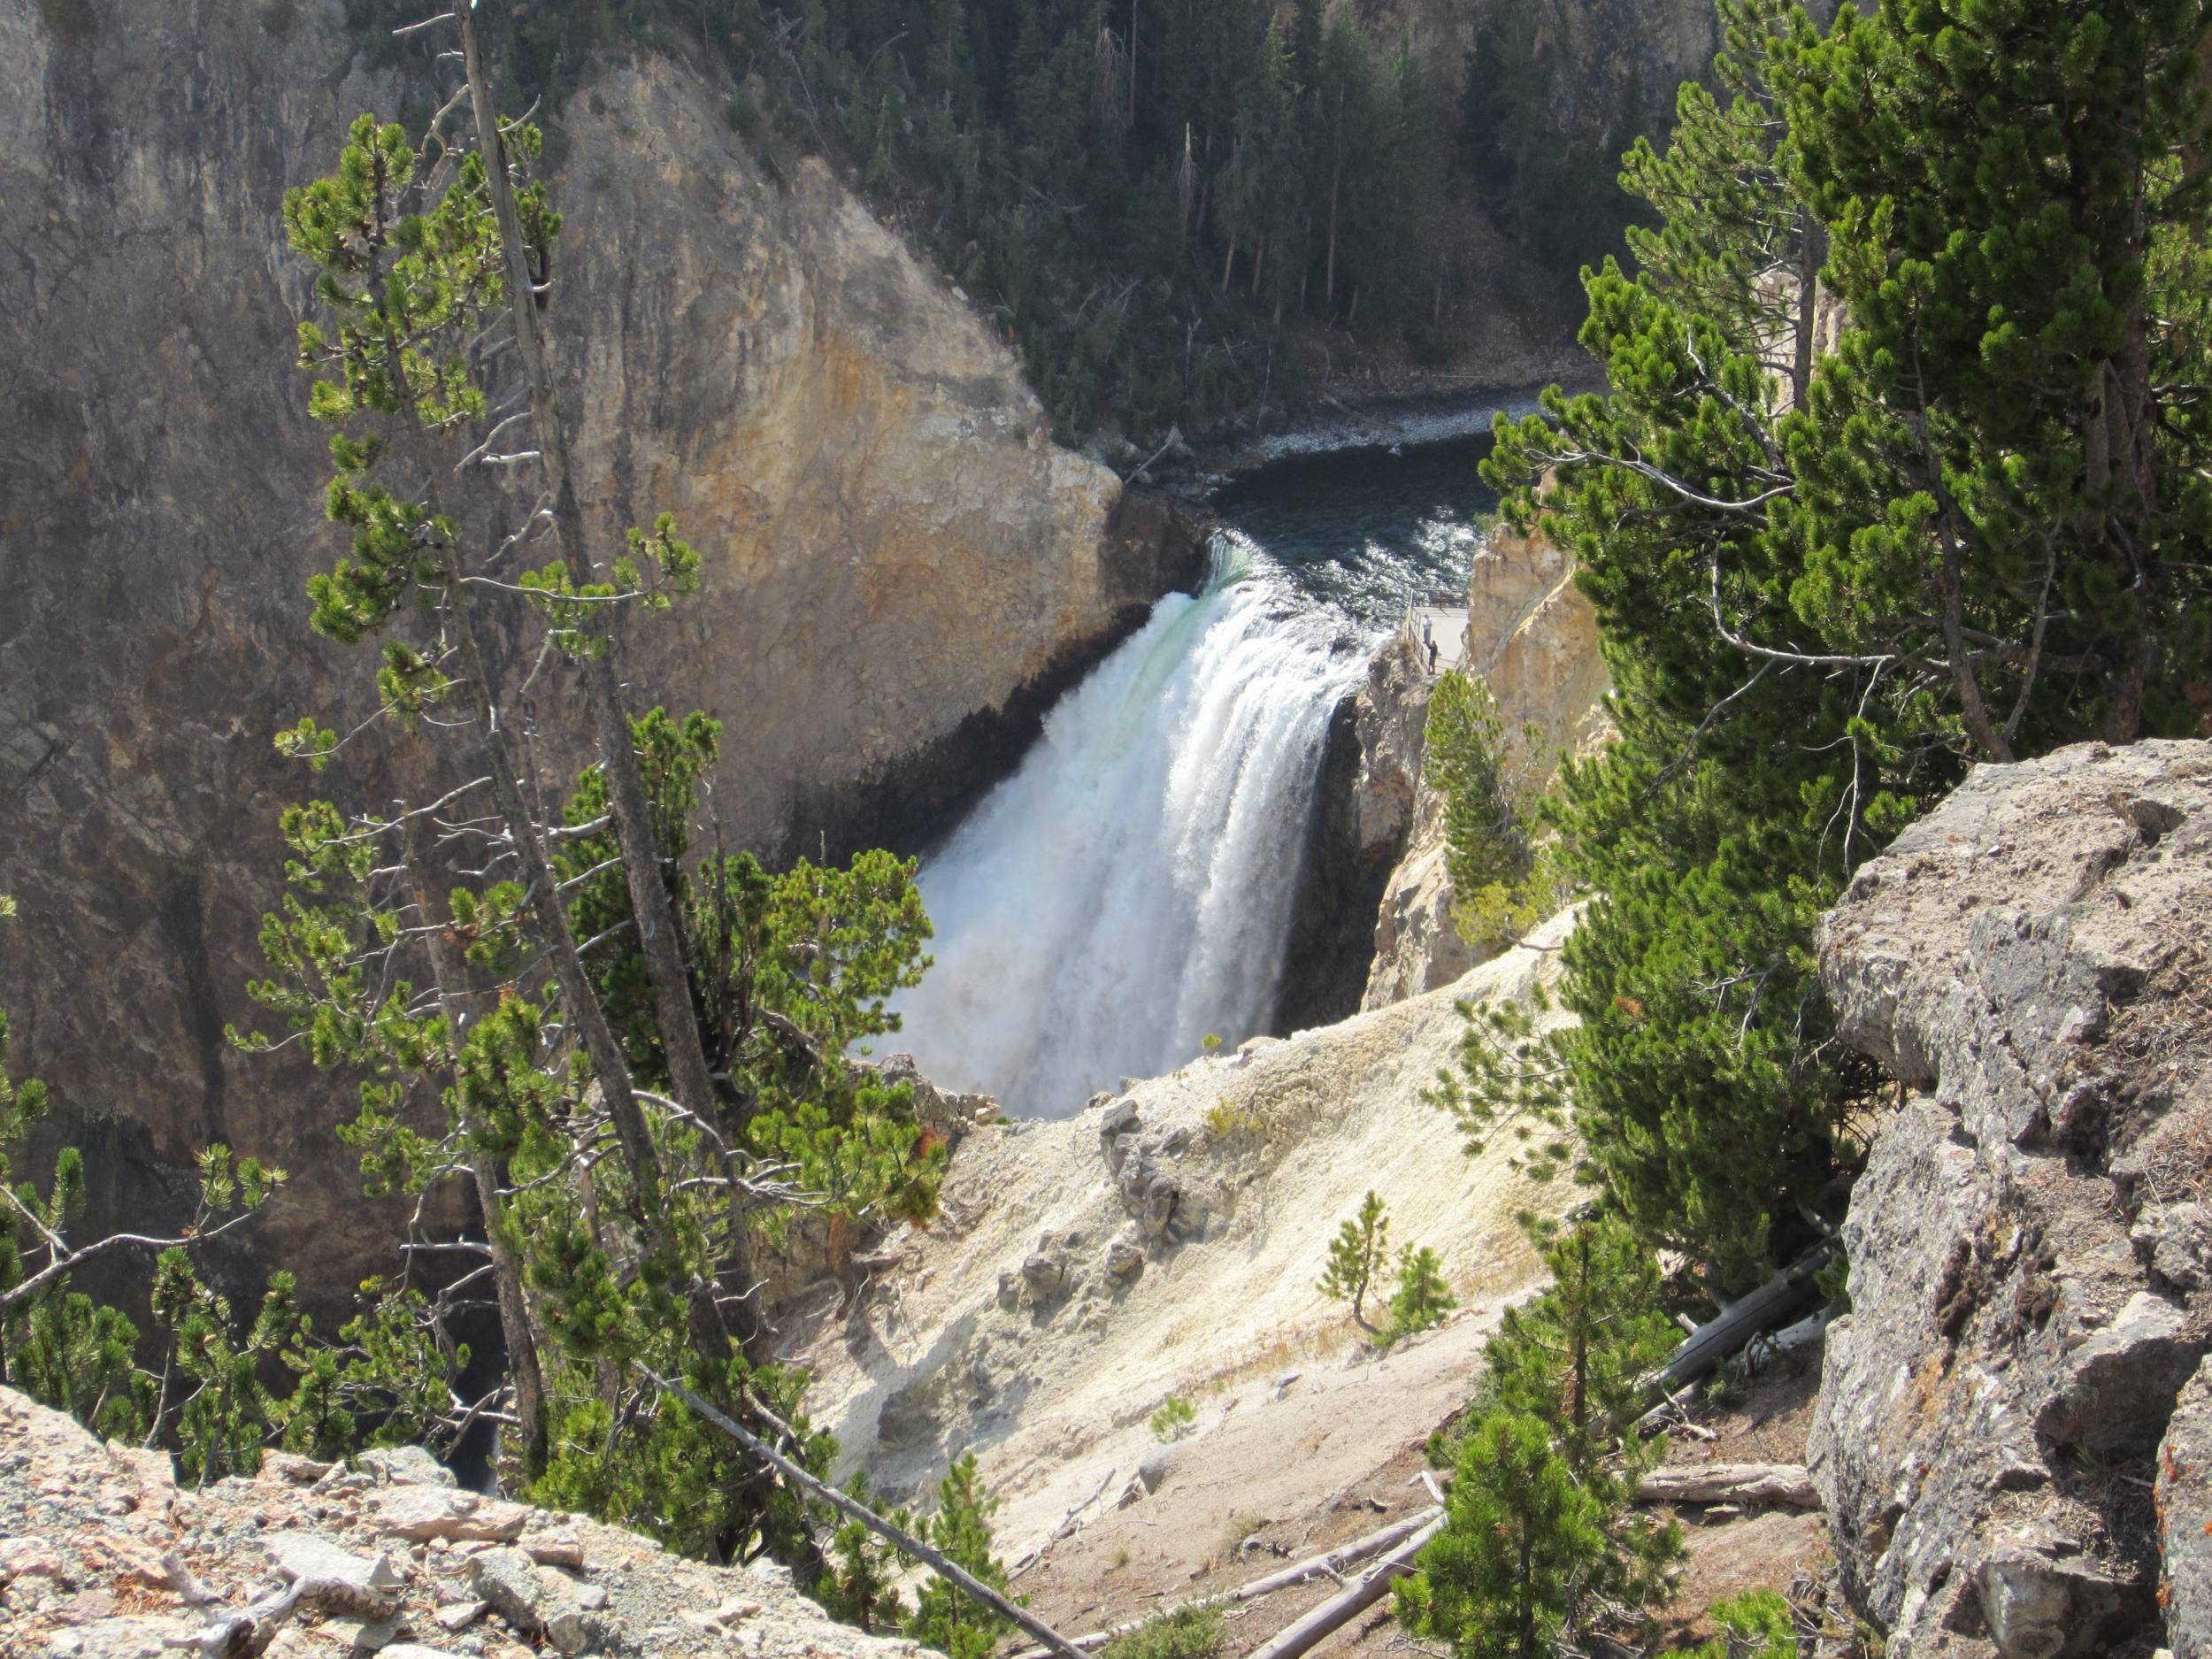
[[860, 1585], [1819, 608], [1357, 1254], [1487, 850], [1505, 1578], [1422, 1298], [501, 990], [944, 1619]]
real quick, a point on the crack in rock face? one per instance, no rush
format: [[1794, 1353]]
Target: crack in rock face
[[2014, 1437]]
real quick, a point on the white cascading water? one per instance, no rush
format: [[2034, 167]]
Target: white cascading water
[[1127, 892]]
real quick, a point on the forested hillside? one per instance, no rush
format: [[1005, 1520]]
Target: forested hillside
[[1179, 208]]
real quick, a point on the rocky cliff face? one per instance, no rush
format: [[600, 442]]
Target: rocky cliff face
[[900, 568], [1532, 638], [2014, 1437]]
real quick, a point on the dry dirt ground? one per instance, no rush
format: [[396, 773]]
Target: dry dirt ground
[[1339, 1455]]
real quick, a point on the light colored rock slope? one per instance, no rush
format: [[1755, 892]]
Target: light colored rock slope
[[1063, 1296]]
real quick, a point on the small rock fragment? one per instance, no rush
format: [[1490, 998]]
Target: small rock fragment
[[290, 1466], [404, 1466], [456, 1616], [538, 1601], [419, 1513], [362, 1635]]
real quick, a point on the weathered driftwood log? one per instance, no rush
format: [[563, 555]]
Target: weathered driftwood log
[[1730, 1483], [1340, 1610], [1328, 1564]]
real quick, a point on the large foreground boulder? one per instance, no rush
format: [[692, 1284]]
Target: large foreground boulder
[[1998, 1437]]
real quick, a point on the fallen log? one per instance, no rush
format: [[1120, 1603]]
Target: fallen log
[[1335, 1561], [1341, 1609], [1328, 1564], [1730, 1483], [1770, 1307]]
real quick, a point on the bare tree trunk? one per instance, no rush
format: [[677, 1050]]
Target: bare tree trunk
[[1349, 1604], [659, 939], [942, 1564], [1328, 279], [1784, 1484], [558, 940], [1228, 265], [1132, 64]]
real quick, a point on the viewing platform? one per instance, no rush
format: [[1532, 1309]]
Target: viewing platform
[[1446, 626]]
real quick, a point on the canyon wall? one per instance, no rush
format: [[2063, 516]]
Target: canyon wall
[[1531, 638], [901, 569]]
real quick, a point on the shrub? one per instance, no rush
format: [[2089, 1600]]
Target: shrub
[[1754, 1626], [1422, 1299], [1186, 1632], [1172, 1419]]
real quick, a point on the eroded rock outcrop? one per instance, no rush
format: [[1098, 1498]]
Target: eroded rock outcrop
[[2028, 1246], [104, 1556], [901, 570], [1532, 638]]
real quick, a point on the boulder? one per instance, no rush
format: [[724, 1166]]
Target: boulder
[[1045, 1274], [2113, 1391], [420, 1514], [404, 1466], [2043, 1599], [906, 1418], [333, 1579], [1118, 1123]]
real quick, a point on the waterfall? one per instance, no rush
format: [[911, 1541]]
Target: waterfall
[[1126, 892]]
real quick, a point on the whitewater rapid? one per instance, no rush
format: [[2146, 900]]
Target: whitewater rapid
[[1127, 894]]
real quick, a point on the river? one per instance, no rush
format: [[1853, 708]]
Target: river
[[1125, 894]]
